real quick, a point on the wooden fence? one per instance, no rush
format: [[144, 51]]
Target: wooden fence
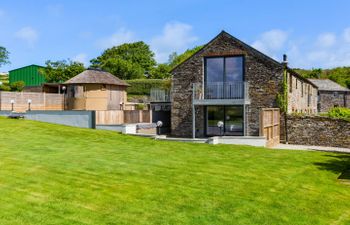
[[110, 117], [22, 101], [270, 125]]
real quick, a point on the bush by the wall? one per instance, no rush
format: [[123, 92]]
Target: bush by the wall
[[4, 87], [339, 113], [144, 86], [17, 86]]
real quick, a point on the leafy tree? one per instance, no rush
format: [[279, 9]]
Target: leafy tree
[[162, 71], [62, 70], [341, 75], [313, 73], [4, 56], [175, 59], [5, 87], [122, 68], [17, 86], [127, 61]]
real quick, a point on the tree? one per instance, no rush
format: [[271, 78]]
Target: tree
[[4, 56], [162, 71], [127, 61], [123, 69], [62, 70], [175, 59], [341, 75]]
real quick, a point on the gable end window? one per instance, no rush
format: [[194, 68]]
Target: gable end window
[[224, 69]]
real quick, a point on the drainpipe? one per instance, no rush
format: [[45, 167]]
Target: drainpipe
[[285, 89]]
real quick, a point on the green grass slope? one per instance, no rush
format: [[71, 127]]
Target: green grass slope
[[52, 174]]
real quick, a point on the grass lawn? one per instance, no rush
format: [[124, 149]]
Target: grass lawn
[[51, 174]]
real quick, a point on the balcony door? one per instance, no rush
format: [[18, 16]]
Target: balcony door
[[231, 116], [224, 77]]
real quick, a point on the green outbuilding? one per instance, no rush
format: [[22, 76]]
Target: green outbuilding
[[29, 74]]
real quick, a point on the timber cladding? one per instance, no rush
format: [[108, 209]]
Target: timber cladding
[[113, 117], [95, 97], [38, 101]]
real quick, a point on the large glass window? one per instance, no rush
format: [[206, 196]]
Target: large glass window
[[233, 69], [215, 70], [224, 69]]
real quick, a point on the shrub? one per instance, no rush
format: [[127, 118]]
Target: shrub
[[298, 114], [140, 106], [4, 87], [339, 113], [17, 86], [144, 86]]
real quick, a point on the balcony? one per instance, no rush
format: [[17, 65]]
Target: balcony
[[221, 93]]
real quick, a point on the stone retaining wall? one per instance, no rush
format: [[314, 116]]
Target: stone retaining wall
[[317, 130]]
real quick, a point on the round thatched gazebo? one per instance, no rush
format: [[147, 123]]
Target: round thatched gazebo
[[95, 89]]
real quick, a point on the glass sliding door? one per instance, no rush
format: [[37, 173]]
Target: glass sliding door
[[214, 115], [234, 120], [232, 116]]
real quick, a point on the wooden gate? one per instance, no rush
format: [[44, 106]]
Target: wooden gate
[[270, 125]]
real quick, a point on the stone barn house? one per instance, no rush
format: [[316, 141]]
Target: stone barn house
[[331, 94], [230, 81], [95, 89]]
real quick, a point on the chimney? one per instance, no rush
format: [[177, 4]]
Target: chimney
[[285, 60]]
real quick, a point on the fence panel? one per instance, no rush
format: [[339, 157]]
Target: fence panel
[[19, 101], [109, 117], [270, 125]]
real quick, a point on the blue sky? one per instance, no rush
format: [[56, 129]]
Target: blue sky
[[314, 33]]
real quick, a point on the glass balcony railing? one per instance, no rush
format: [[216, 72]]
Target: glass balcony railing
[[220, 90]]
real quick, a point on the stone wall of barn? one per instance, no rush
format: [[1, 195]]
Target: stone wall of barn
[[302, 96], [263, 76], [330, 99], [319, 131]]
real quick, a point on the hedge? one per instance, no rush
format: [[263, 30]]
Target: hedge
[[339, 113], [144, 86]]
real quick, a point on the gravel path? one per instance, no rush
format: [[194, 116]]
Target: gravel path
[[313, 148]]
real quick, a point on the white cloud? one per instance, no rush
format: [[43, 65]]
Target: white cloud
[[322, 51], [346, 34], [176, 37], [120, 37], [27, 34], [81, 57], [326, 40], [271, 41]]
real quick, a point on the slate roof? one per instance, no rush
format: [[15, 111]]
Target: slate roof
[[96, 76], [328, 85]]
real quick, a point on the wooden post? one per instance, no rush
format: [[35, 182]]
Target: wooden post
[[140, 116], [150, 113], [273, 123]]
